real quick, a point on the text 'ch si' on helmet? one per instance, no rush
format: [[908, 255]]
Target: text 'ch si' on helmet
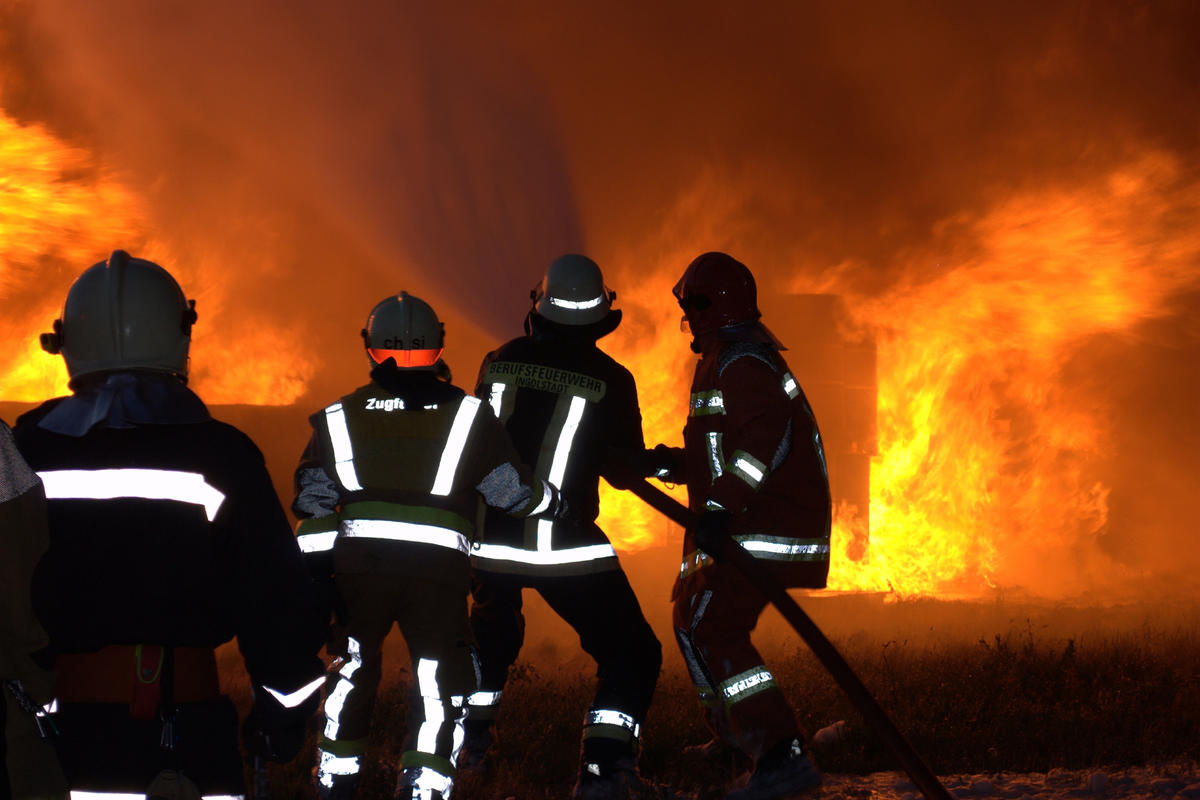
[[573, 292], [717, 290], [406, 329], [122, 314]]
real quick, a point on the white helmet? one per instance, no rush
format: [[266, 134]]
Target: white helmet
[[573, 292], [406, 329], [120, 314]]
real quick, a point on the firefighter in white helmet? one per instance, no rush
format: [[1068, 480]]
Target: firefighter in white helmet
[[167, 539], [386, 493], [567, 405]]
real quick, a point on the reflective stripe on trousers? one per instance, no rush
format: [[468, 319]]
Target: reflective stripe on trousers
[[331, 764], [610, 723], [430, 768]]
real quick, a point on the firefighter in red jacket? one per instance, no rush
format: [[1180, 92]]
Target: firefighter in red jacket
[[167, 539], [755, 469], [386, 493]]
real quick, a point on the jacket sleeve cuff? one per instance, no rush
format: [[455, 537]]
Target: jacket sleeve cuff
[[316, 535]]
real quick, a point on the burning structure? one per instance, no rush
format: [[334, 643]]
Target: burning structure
[[1003, 198]]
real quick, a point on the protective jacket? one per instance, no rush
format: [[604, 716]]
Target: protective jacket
[[565, 403], [396, 469], [166, 540], [752, 447]]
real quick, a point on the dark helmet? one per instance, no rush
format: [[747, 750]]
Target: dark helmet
[[124, 313], [717, 290], [573, 292], [406, 329]]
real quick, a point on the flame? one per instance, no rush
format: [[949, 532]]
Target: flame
[[56, 210], [987, 469], [650, 345], [59, 212]]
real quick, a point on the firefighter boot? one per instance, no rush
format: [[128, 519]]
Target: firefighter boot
[[618, 780], [342, 787], [784, 771], [715, 751], [422, 783], [476, 746]]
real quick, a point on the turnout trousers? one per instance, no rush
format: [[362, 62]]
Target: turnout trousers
[[715, 611], [432, 616], [602, 608]]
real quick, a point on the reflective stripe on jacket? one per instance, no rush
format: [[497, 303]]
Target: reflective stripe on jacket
[[565, 403], [386, 475], [752, 447]]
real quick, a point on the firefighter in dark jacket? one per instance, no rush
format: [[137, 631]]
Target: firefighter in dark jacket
[[566, 404], [166, 540], [33, 769], [386, 493], [755, 470]]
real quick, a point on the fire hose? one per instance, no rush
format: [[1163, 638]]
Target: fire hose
[[822, 648]]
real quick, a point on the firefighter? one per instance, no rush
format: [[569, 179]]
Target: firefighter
[[27, 684], [566, 405], [167, 539], [755, 469], [386, 493]]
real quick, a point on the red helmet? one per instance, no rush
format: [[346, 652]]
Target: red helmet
[[716, 290]]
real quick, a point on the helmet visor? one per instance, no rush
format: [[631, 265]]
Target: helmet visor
[[406, 358]]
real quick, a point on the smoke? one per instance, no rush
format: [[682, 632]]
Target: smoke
[[314, 157], [314, 160]]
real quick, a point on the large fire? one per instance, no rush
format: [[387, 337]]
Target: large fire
[[59, 212], [986, 475], [988, 468], [55, 210]]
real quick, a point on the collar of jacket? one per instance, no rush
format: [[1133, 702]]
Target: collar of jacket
[[126, 400], [753, 331], [416, 387], [541, 328]]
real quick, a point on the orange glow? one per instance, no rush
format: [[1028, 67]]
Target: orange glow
[[986, 476], [650, 345], [55, 210], [59, 213]]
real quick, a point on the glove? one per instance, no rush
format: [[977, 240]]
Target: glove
[[659, 462], [712, 532], [275, 733], [565, 512], [559, 509]]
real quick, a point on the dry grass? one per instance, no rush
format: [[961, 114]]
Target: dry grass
[[1015, 702]]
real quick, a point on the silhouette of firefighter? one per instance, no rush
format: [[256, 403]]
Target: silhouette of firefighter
[[167, 539], [387, 492], [754, 465], [566, 404], [26, 686]]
